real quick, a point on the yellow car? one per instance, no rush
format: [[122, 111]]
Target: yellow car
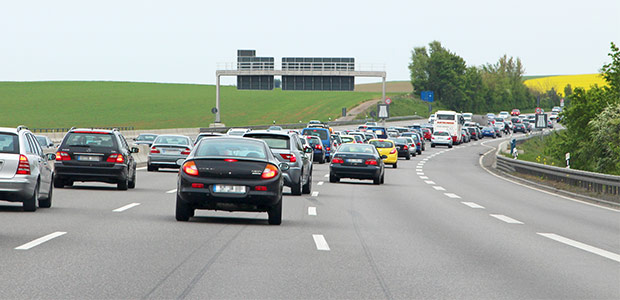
[[386, 147]]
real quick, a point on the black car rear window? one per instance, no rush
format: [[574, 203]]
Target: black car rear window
[[315, 142], [273, 140], [89, 139], [321, 133], [231, 148], [400, 141], [9, 143], [356, 148]]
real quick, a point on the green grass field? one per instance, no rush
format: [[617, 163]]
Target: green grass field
[[390, 87], [405, 105], [158, 105], [534, 151]]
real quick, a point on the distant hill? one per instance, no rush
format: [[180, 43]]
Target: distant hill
[[543, 84], [390, 87]]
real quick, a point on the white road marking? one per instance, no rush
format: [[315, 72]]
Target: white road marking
[[126, 207], [419, 170], [321, 243], [171, 191], [439, 188], [423, 177], [420, 173], [429, 182], [473, 205], [326, 175], [582, 246], [315, 194], [453, 196], [506, 219], [312, 211], [425, 159], [40, 240], [320, 183], [140, 169]]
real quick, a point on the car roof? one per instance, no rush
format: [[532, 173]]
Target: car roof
[[178, 135], [92, 129], [269, 132]]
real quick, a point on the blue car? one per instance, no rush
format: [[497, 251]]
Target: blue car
[[488, 131], [325, 137], [381, 132]]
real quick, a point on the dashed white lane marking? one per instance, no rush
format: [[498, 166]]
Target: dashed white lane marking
[[40, 240], [126, 207], [420, 173], [315, 194], [582, 246], [472, 205], [506, 219], [321, 243], [429, 182], [425, 159], [171, 191], [140, 169], [419, 170], [320, 183], [423, 177], [439, 188], [453, 196], [312, 211], [326, 175]]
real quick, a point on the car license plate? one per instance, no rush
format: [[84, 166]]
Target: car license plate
[[88, 158], [232, 189], [354, 161], [170, 151]]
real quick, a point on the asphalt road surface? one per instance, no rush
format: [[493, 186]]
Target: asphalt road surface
[[441, 227]]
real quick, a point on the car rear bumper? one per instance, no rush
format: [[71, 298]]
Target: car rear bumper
[[168, 161], [356, 172], [292, 177], [17, 189], [90, 173]]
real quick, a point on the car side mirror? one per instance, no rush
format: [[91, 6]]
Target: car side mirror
[[51, 156], [135, 150], [383, 156], [284, 166]]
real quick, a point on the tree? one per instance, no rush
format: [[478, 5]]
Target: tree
[[606, 136]]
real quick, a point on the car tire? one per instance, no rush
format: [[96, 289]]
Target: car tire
[[414, 154], [296, 189], [46, 202], [132, 183], [307, 188], [376, 180], [275, 213], [183, 210], [329, 159], [30, 204], [432, 145], [58, 183], [123, 184], [408, 157], [449, 145], [333, 178], [395, 165], [322, 160], [420, 152]]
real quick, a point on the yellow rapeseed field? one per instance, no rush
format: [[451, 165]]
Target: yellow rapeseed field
[[559, 82]]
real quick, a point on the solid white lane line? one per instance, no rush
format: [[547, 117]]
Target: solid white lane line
[[312, 211], [321, 243], [439, 188], [315, 194], [506, 219], [582, 246], [140, 169], [40, 240], [472, 205], [320, 183], [126, 207], [453, 196], [171, 191], [423, 177], [326, 175]]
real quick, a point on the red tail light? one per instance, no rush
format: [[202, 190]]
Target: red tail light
[[186, 151], [337, 160], [289, 157], [405, 147], [372, 162], [260, 188], [270, 171], [155, 150], [198, 185], [418, 144], [230, 160], [116, 158], [393, 151], [190, 168], [318, 147], [327, 148], [62, 156], [24, 166]]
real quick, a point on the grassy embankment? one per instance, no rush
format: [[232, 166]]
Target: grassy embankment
[[158, 105], [534, 151]]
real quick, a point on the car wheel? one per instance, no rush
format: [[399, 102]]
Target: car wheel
[[449, 145], [420, 152], [58, 183], [69, 183], [122, 184], [46, 202], [329, 159], [382, 178], [414, 153], [322, 160], [30, 204], [296, 189], [275, 213], [307, 188], [432, 145], [395, 165], [376, 180], [333, 178], [132, 183], [183, 210], [408, 157]]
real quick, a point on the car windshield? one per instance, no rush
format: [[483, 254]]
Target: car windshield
[[172, 140], [445, 117], [9, 143], [146, 137], [231, 148], [382, 144], [356, 148], [272, 140], [347, 139], [440, 133], [400, 141], [88, 139], [321, 133]]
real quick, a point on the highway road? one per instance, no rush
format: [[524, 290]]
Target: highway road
[[441, 227]]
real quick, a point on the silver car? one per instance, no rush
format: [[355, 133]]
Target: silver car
[[166, 150], [25, 172], [45, 142]]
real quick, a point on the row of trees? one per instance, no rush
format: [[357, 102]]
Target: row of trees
[[491, 87], [592, 122]]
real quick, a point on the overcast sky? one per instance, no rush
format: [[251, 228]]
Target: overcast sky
[[182, 41]]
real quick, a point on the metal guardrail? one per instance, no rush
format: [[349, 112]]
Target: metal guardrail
[[51, 130]]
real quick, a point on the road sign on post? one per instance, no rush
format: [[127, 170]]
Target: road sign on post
[[428, 96], [538, 111], [388, 101], [383, 111], [541, 121]]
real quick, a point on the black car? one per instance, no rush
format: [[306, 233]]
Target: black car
[[358, 161], [472, 132], [231, 174], [402, 147], [519, 127], [95, 155]]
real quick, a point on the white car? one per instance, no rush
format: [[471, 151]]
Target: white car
[[554, 115], [503, 114], [432, 118], [468, 116], [441, 138]]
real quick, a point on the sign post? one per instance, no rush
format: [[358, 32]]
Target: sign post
[[428, 96], [383, 112], [568, 160]]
